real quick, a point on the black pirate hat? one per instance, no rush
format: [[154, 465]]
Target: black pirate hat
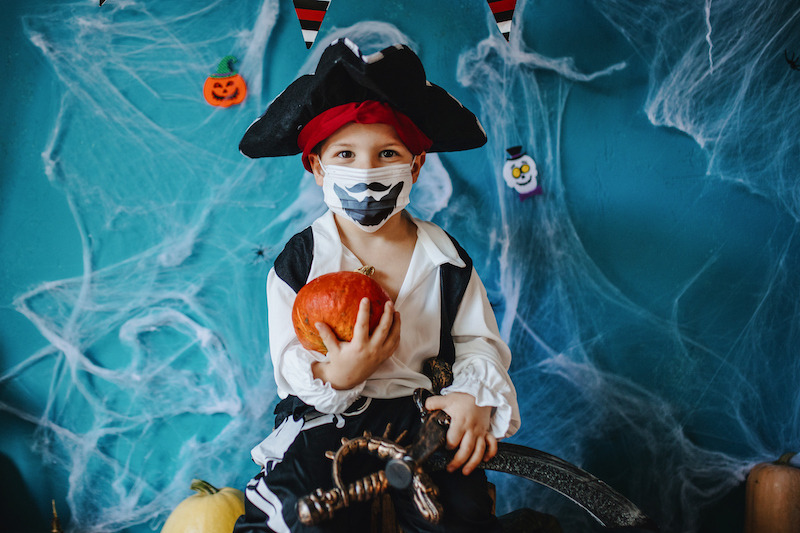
[[394, 75]]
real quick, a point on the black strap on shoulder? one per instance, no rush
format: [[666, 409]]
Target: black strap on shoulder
[[454, 281], [293, 264]]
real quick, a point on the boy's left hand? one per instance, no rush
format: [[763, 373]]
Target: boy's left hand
[[469, 430]]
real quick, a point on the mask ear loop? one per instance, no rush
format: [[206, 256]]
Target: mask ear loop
[[411, 167]]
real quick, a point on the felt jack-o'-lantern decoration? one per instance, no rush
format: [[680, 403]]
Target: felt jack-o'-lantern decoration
[[519, 173], [225, 87]]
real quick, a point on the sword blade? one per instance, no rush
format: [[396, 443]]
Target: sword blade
[[606, 505]]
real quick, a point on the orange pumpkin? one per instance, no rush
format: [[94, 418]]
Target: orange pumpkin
[[773, 497], [333, 299], [225, 87]]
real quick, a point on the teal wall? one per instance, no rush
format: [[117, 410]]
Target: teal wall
[[649, 295]]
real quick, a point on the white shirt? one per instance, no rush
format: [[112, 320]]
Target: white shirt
[[481, 357]]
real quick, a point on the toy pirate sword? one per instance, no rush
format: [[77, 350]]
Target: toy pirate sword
[[405, 469]]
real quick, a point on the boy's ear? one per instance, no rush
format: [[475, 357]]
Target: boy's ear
[[417, 166], [316, 168]]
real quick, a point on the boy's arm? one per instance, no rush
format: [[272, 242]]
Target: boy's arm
[[483, 359], [291, 362]]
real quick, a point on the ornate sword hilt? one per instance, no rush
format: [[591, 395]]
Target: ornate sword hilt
[[403, 470], [404, 464], [320, 505]]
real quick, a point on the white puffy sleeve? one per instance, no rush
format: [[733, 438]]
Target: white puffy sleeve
[[482, 360], [291, 362]]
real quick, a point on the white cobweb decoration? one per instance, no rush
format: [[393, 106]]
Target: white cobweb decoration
[[154, 348], [158, 351], [670, 413]]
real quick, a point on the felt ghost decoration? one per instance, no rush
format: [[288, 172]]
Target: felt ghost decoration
[[225, 87], [520, 173]]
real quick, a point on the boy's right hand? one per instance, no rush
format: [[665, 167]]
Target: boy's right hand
[[350, 363]]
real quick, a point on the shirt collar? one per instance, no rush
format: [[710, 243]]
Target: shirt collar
[[437, 244], [433, 239], [327, 243]]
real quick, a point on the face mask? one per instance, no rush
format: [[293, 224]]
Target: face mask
[[367, 196]]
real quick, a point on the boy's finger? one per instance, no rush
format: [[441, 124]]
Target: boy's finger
[[491, 447], [328, 336], [465, 449], [393, 337], [476, 457], [455, 436], [361, 329], [434, 403], [384, 326]]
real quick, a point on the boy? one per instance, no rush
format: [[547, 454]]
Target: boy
[[364, 125]]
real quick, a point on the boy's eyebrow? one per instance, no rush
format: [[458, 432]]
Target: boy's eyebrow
[[392, 143]]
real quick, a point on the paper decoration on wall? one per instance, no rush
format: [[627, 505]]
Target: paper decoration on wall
[[310, 13], [225, 87], [520, 173], [503, 11]]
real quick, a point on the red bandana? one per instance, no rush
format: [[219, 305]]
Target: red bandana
[[368, 112]]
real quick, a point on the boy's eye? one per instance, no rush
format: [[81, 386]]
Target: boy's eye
[[345, 154], [388, 153]]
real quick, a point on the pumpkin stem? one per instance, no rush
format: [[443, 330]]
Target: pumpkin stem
[[203, 487], [55, 525], [785, 458], [366, 270]]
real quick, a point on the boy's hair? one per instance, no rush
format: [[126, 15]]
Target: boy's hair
[[393, 76]]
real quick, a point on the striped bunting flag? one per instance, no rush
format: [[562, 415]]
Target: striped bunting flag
[[503, 11], [310, 13]]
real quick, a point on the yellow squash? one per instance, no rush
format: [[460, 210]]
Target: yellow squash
[[773, 498], [211, 510]]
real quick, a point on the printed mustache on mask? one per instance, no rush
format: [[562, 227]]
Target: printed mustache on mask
[[369, 211], [374, 186]]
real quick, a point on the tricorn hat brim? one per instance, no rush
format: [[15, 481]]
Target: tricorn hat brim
[[394, 75]]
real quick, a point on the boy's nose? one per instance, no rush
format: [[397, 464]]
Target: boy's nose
[[370, 161]]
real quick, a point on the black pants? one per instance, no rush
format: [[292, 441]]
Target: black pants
[[465, 500]]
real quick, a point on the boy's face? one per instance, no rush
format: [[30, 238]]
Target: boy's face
[[364, 146]]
